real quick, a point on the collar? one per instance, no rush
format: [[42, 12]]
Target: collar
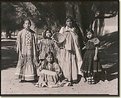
[[69, 29]]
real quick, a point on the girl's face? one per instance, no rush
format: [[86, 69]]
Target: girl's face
[[89, 35], [27, 24], [68, 23], [48, 34], [49, 58]]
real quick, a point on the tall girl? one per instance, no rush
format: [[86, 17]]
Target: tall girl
[[27, 49], [69, 56]]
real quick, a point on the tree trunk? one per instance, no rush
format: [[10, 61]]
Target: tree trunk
[[69, 9], [78, 17]]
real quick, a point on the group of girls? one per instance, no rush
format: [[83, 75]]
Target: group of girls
[[57, 59]]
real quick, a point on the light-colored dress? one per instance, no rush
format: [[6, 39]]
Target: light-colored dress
[[49, 73], [69, 57], [27, 61]]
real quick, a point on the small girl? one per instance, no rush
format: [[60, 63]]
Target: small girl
[[46, 45], [49, 72], [91, 67]]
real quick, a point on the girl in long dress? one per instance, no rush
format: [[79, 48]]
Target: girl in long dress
[[91, 67], [26, 47], [69, 55]]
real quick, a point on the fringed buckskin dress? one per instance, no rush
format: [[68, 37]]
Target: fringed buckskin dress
[[49, 73]]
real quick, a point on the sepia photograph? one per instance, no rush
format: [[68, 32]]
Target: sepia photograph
[[60, 48]]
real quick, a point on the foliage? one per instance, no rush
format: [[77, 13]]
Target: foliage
[[53, 14]]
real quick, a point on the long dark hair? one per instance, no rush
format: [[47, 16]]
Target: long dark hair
[[27, 20], [51, 54], [89, 30], [81, 38], [71, 19], [80, 34]]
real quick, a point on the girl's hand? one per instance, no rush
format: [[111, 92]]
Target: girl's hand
[[38, 65], [83, 48], [60, 45], [95, 58], [40, 69], [21, 55], [54, 40]]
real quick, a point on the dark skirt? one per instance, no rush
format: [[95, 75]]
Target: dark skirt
[[90, 66]]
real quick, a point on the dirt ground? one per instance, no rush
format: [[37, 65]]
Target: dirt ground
[[9, 85]]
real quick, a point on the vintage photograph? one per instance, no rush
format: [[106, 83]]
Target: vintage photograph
[[60, 48]]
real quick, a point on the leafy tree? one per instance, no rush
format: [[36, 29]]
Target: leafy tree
[[53, 14]]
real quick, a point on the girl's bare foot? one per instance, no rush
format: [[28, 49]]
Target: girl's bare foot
[[68, 84], [44, 84], [83, 79], [37, 84]]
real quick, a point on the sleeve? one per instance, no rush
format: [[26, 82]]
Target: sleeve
[[55, 47], [96, 41], [18, 42], [61, 30], [58, 69], [40, 46], [42, 66], [36, 42]]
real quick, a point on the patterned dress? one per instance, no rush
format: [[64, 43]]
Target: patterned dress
[[45, 46], [89, 66], [26, 47]]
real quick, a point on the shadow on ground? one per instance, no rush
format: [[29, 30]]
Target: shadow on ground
[[8, 54]]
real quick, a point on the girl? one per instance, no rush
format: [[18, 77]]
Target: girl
[[90, 66], [69, 56], [46, 45], [26, 47], [49, 72]]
